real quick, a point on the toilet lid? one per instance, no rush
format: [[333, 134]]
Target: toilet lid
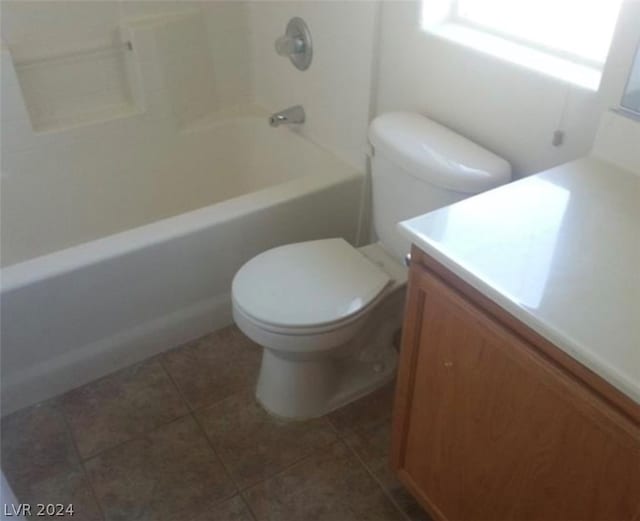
[[307, 284]]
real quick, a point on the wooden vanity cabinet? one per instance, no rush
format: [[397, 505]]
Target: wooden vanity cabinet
[[492, 422]]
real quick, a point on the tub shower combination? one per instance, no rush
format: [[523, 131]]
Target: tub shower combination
[[139, 273], [132, 193]]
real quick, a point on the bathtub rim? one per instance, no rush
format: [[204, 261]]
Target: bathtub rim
[[31, 271]]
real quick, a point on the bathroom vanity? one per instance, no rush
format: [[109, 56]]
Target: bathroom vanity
[[519, 380]]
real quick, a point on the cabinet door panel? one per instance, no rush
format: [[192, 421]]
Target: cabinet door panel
[[485, 428]]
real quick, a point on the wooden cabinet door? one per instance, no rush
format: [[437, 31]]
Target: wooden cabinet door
[[487, 428]]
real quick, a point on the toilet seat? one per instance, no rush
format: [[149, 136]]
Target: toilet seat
[[295, 343], [308, 288], [306, 331]]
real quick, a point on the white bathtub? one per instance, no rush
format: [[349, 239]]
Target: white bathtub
[[129, 267]]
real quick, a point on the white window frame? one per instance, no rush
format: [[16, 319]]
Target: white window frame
[[562, 65], [565, 55]]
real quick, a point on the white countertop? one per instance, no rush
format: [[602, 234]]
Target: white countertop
[[560, 251]]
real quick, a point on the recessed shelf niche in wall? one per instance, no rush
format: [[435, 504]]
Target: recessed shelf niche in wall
[[77, 87]]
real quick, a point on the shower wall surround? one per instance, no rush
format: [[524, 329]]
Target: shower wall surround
[[137, 104], [114, 76], [76, 86], [336, 90], [183, 129], [68, 76]]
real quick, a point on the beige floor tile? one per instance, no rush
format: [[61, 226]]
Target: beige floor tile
[[367, 411], [214, 367], [121, 406], [171, 474], [41, 463], [36, 445], [147, 459], [254, 445], [372, 444], [331, 485], [69, 488], [234, 509]]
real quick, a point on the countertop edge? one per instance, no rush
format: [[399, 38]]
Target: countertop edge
[[578, 352]]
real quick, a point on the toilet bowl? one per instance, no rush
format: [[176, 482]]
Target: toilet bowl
[[325, 312], [305, 303]]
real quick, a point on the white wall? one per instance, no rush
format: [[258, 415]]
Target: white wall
[[506, 108], [207, 53], [188, 60], [336, 90], [227, 23], [40, 27]]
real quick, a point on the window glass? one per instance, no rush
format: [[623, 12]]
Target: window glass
[[579, 29]]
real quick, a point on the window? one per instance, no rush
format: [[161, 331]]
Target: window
[[568, 39]]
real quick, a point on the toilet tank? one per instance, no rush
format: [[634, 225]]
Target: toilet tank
[[418, 166]]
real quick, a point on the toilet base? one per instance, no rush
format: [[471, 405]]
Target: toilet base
[[297, 387], [309, 372], [292, 389]]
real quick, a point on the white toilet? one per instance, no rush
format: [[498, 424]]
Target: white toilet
[[325, 312]]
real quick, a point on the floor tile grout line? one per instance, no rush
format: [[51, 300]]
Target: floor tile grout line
[[55, 403], [238, 392], [313, 453], [246, 502], [175, 384], [190, 406], [81, 462], [144, 435], [238, 491], [377, 481], [241, 490], [292, 464], [344, 443], [215, 452], [192, 413], [333, 425], [136, 437], [94, 494], [190, 410], [248, 507], [340, 436], [82, 459], [350, 431], [159, 358]]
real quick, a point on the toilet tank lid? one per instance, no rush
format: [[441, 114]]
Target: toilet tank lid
[[436, 154]]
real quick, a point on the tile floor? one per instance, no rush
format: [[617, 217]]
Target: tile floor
[[179, 437]]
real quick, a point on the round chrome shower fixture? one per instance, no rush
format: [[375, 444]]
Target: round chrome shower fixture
[[296, 44]]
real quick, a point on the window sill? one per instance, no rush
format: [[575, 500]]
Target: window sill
[[565, 70]]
